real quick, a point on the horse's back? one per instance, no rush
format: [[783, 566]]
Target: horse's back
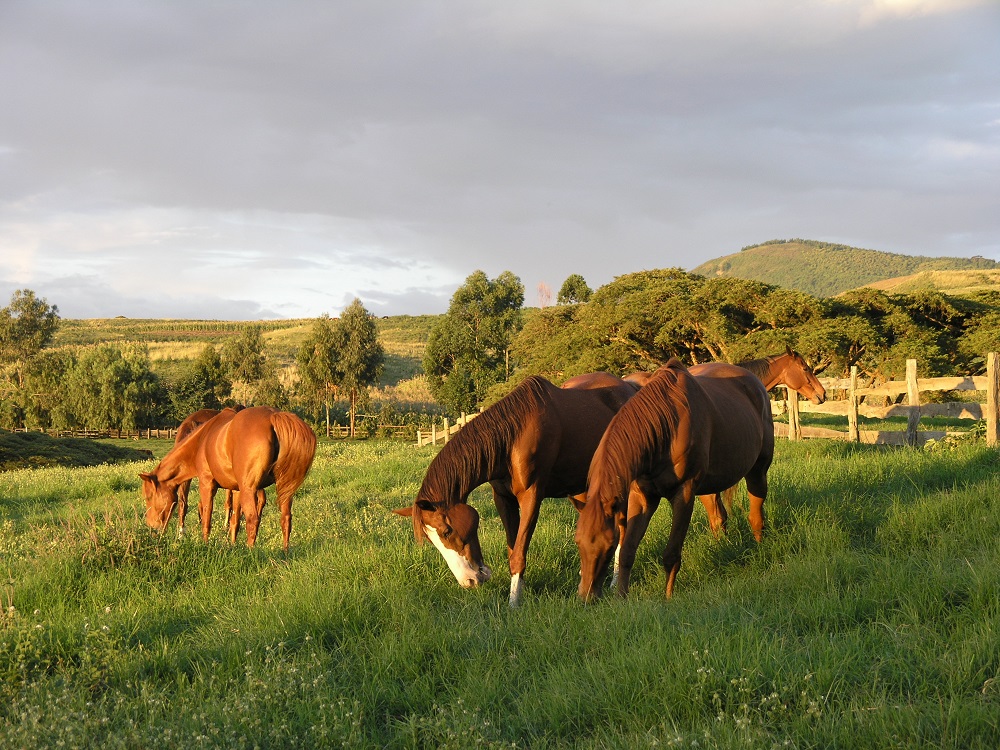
[[740, 426]]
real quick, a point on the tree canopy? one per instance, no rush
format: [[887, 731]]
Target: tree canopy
[[469, 348]]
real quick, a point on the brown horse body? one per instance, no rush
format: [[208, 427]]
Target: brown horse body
[[534, 443], [188, 426], [788, 369], [244, 451], [680, 436]]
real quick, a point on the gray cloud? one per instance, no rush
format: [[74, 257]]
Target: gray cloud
[[262, 159]]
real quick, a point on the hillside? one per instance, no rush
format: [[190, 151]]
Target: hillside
[[825, 270], [959, 283]]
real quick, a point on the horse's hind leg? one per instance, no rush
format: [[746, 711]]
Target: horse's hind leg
[[252, 502], [682, 502], [718, 513], [206, 488]]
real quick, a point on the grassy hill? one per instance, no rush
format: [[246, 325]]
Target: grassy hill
[[959, 283], [825, 270]]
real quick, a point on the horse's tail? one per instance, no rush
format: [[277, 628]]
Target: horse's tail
[[296, 449]]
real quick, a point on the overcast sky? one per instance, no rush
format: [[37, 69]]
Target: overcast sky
[[249, 160]]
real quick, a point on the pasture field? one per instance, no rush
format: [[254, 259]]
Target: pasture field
[[869, 617]]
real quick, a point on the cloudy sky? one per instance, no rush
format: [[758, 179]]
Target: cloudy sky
[[249, 160]]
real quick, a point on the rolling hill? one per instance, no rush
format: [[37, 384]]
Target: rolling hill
[[825, 270]]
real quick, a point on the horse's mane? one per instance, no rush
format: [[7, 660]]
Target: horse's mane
[[640, 433], [482, 444], [760, 367]]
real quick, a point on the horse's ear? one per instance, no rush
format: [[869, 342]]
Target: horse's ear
[[147, 477], [577, 502], [788, 351], [407, 511], [425, 505]]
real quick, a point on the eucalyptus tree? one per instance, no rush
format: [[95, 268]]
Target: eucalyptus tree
[[469, 348], [360, 356]]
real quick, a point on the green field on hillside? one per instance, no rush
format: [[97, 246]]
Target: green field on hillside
[[867, 618], [825, 269]]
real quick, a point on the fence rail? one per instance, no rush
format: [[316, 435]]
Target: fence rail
[[852, 407]]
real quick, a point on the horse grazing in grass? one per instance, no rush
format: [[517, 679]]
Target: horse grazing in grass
[[681, 435], [189, 425], [245, 451], [788, 369], [534, 443]]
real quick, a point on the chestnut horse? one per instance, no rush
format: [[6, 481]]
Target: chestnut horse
[[245, 451], [534, 443], [189, 425], [788, 369], [681, 435]]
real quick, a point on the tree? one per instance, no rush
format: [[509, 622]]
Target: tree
[[319, 365], [204, 386], [359, 353], [253, 374], [111, 386], [27, 326], [574, 290], [468, 350]]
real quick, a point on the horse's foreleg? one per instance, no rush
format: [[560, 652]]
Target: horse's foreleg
[[510, 516], [682, 502], [528, 505], [206, 488], [182, 505], [642, 504]]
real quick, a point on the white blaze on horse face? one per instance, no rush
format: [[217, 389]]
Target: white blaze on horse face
[[467, 575]]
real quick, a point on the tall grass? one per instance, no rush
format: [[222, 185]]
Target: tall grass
[[868, 617]]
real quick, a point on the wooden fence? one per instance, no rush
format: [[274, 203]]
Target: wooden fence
[[852, 404], [446, 431]]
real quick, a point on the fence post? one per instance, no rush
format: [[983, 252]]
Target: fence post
[[446, 430], [794, 428], [993, 398], [434, 433], [913, 400], [853, 434], [418, 438]]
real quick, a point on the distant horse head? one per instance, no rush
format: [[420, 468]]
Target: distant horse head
[[798, 376]]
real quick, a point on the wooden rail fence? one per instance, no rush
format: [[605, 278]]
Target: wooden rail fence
[[852, 406]]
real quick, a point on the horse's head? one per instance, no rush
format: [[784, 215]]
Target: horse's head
[[160, 501], [799, 377], [455, 533], [595, 538]]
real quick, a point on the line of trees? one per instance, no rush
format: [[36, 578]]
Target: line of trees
[[112, 385]]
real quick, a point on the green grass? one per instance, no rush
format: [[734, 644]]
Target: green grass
[[868, 617]]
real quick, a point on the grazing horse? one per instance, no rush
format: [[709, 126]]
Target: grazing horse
[[245, 451], [678, 437], [534, 443], [189, 425], [788, 369]]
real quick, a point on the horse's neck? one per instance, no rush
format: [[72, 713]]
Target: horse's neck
[[179, 464], [461, 466], [769, 369]]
